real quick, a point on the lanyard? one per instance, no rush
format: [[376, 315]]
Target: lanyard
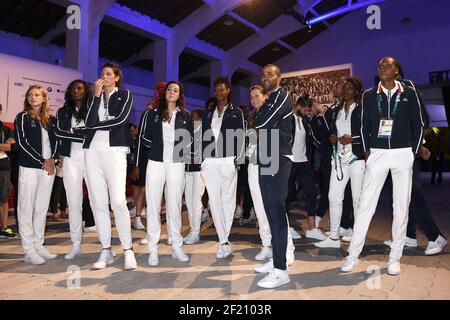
[[298, 123], [336, 159], [394, 110], [105, 105]]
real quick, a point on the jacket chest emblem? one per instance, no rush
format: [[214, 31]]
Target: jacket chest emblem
[[33, 123], [156, 119]]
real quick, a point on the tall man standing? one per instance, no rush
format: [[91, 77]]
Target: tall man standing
[[273, 124]]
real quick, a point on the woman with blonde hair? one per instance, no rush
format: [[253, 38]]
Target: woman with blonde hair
[[35, 134]]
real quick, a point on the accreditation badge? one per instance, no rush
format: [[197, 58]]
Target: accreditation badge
[[385, 128]]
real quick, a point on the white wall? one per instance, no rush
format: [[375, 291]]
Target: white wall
[[421, 47]]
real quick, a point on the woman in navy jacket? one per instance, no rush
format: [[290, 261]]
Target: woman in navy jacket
[[345, 137], [38, 150], [70, 130], [107, 145], [167, 132]]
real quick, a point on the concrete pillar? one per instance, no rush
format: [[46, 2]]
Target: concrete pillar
[[216, 69], [165, 64]]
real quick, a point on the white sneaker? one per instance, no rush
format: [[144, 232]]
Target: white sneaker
[[274, 279], [349, 264], [294, 234], [265, 267], [143, 241], [106, 258], [130, 260], [153, 259], [205, 215], [169, 241], [238, 212], [33, 257], [252, 215], [227, 250], [436, 246], [317, 220], [179, 255], [347, 235], [138, 224], [265, 253], [315, 234], [74, 252], [90, 229], [47, 255], [144, 212], [328, 243], [393, 267], [191, 239], [410, 243], [219, 252]]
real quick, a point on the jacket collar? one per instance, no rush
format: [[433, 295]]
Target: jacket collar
[[398, 85]]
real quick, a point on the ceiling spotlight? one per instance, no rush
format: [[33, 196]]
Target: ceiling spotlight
[[228, 22], [275, 48]]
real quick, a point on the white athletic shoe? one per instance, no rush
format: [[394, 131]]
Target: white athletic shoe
[[219, 252], [436, 246], [274, 279], [153, 259], [90, 229], [315, 234], [205, 215], [349, 264], [106, 258], [138, 224], [130, 260], [238, 212], [143, 241], [393, 267], [328, 243], [179, 255], [294, 234], [74, 252], [227, 250], [191, 239], [47, 255], [410, 243], [33, 257], [144, 212], [265, 267], [265, 253], [347, 234], [169, 241]]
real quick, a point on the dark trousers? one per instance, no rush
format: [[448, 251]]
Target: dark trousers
[[205, 199], [324, 182], [88, 215], [274, 191], [418, 209], [347, 219], [436, 167], [58, 196], [243, 191], [303, 173]]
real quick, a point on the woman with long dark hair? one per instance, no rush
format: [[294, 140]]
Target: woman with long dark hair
[[107, 145], [167, 132], [38, 150], [70, 130], [348, 159]]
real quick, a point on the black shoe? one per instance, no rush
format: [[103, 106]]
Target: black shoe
[[7, 234]]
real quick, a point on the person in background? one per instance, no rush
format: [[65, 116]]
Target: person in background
[[7, 144], [195, 186], [58, 200]]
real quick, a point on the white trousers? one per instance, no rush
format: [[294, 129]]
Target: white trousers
[[258, 205], [195, 187], [380, 161], [106, 172], [73, 174], [354, 173], [168, 178], [35, 188], [221, 182]]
